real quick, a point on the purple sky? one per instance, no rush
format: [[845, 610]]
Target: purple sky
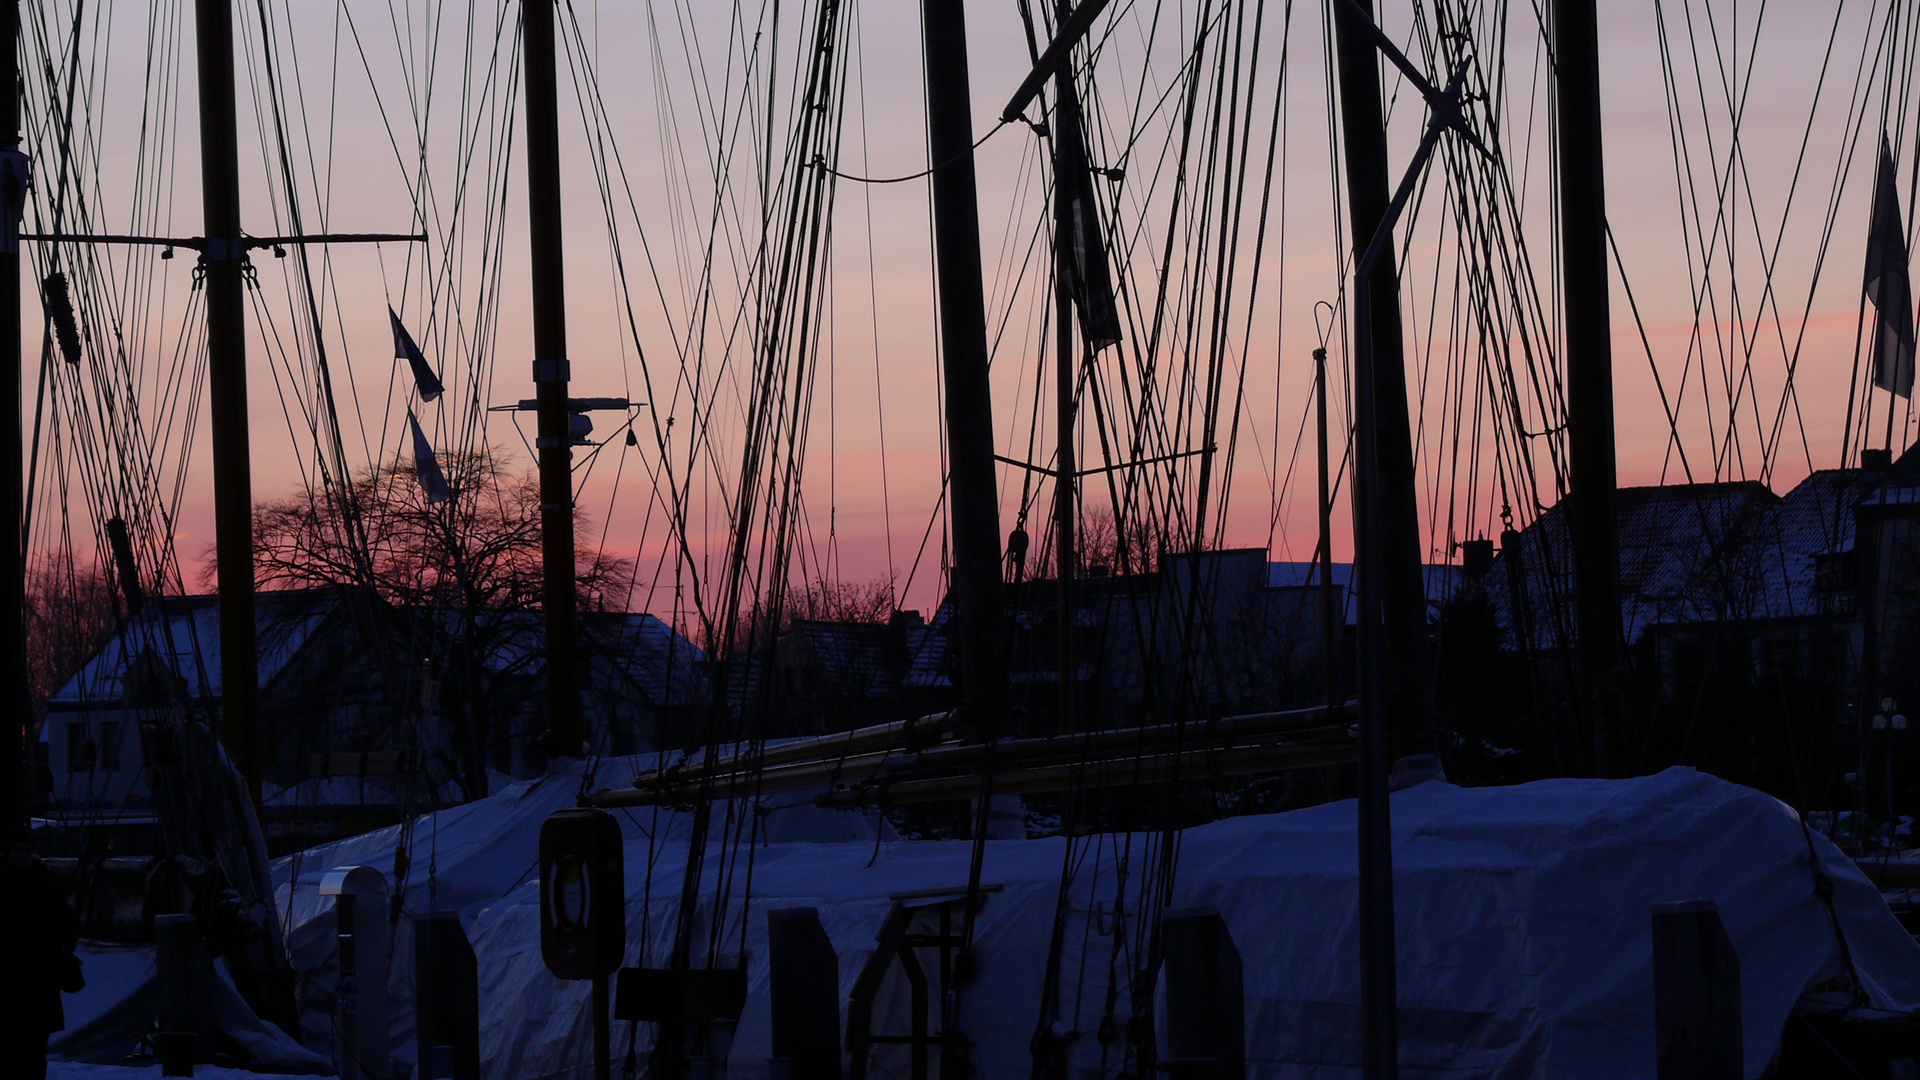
[[669, 75]]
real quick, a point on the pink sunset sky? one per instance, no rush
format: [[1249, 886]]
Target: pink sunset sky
[[667, 76]]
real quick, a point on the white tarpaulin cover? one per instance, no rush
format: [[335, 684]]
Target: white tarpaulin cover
[[121, 1001], [1523, 913]]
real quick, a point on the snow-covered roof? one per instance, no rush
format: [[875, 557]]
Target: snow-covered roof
[[853, 656], [660, 664], [1441, 581], [1691, 553], [183, 634], [1812, 520], [927, 656]]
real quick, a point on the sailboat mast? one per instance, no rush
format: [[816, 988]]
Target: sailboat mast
[[972, 494], [1329, 626], [13, 571], [224, 261], [1589, 352], [1066, 510], [1390, 587], [565, 731]]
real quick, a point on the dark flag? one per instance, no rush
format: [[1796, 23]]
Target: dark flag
[[432, 480], [1888, 285], [1088, 277], [405, 349]]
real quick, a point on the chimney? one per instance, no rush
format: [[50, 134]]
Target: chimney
[[1875, 460], [1476, 557]]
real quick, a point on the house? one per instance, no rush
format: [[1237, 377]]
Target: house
[[167, 657], [1208, 634], [361, 703], [1698, 561], [825, 675], [1740, 609], [644, 687]]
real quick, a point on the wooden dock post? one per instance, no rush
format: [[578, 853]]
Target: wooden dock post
[[186, 990], [363, 1033], [1696, 994], [804, 988], [446, 1002], [1206, 1003]]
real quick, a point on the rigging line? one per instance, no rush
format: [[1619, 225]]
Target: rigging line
[[820, 163], [1770, 437], [873, 308], [1260, 238], [1831, 219], [355, 530]]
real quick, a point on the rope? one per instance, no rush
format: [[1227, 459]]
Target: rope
[[821, 164]]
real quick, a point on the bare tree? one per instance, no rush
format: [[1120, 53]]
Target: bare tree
[[69, 610], [843, 601], [465, 574], [1099, 546], [823, 601], [480, 549]]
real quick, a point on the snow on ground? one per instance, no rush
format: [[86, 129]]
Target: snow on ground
[[74, 1070]]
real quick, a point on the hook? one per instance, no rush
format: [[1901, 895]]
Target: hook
[[1326, 330]]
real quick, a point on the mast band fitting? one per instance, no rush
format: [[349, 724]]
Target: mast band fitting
[[552, 369], [226, 249]]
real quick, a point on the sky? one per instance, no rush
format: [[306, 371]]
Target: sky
[[1738, 258]]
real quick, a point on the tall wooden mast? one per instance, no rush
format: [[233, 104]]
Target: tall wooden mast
[[972, 495], [15, 699], [1394, 691], [1589, 352], [1066, 506], [565, 731], [225, 262], [1331, 616]]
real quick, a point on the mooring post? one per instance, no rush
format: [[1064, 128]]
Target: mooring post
[[186, 992], [803, 975], [1696, 994], [1206, 997], [364, 1037], [446, 998], [583, 910]]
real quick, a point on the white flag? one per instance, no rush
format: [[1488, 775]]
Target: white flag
[[432, 481]]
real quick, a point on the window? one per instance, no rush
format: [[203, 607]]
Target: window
[[1833, 571], [110, 739], [79, 747]]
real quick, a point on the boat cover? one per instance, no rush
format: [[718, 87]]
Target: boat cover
[[1523, 913]]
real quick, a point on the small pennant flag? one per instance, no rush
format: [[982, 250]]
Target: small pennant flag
[[432, 480], [405, 349], [1889, 286]]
